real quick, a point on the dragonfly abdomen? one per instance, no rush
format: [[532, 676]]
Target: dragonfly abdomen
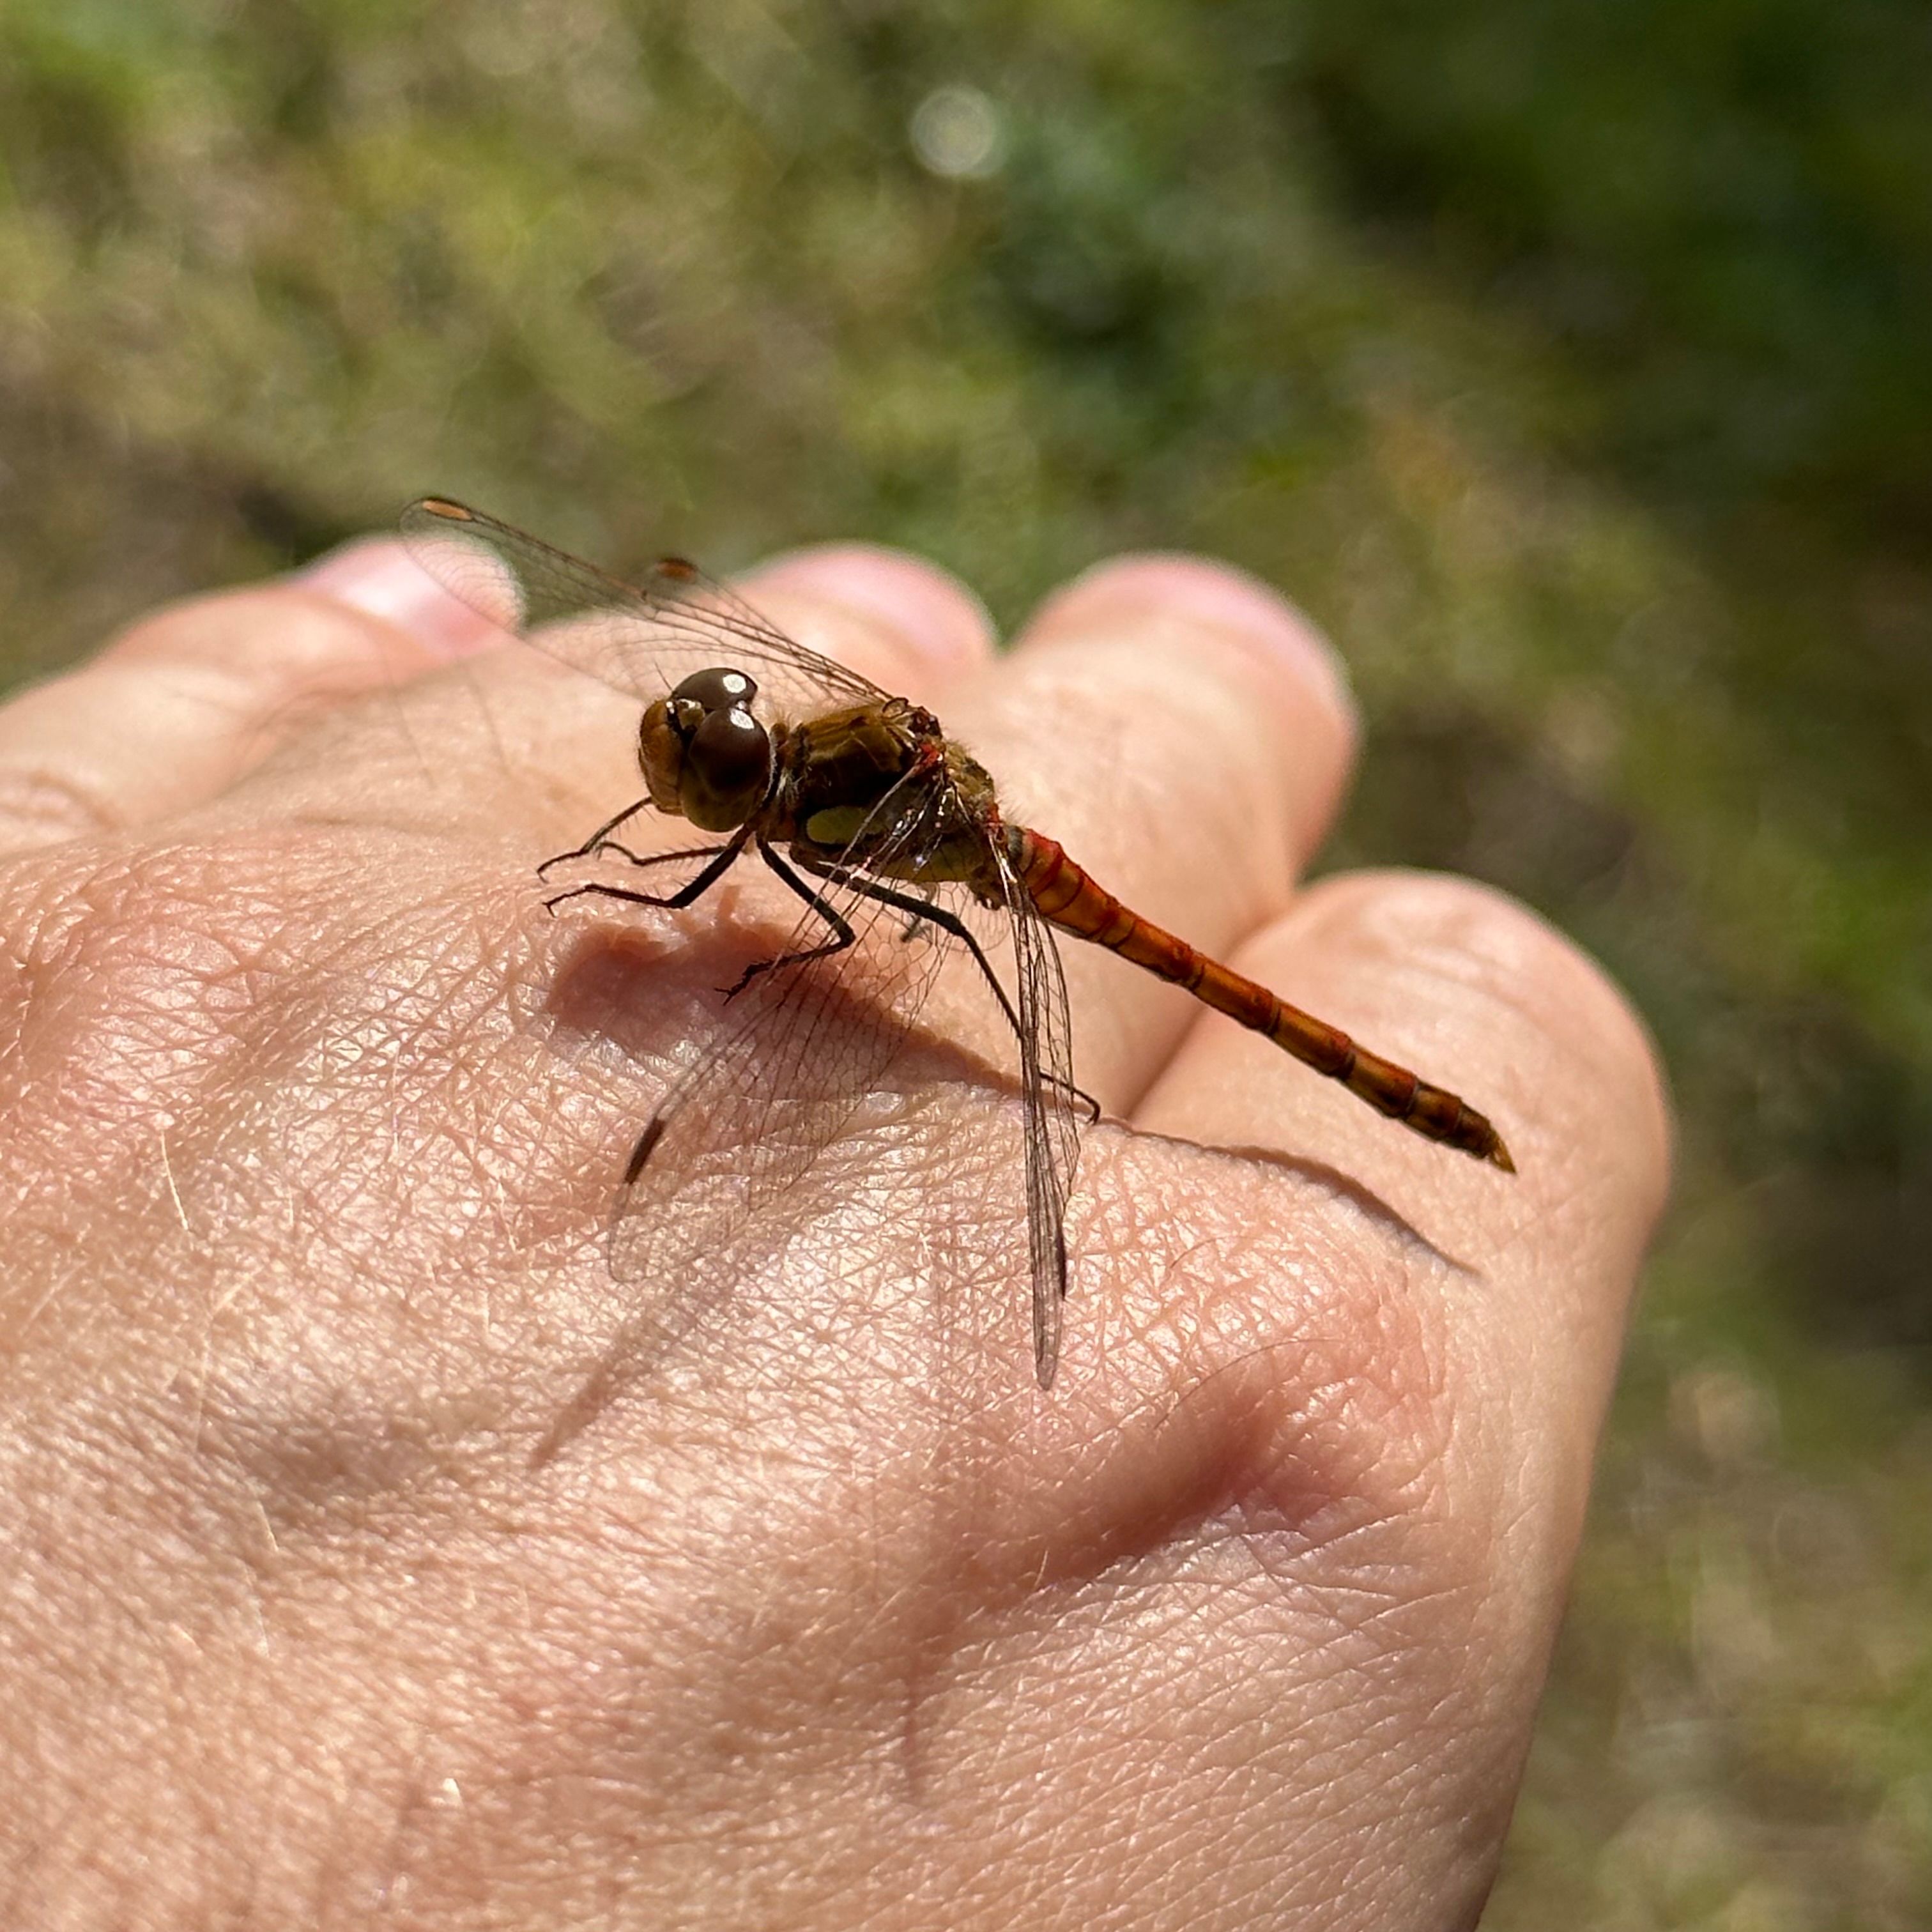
[[1066, 896]]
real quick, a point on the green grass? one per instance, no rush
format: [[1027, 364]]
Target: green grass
[[1568, 362]]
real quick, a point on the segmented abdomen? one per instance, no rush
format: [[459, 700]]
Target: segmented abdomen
[[1066, 896]]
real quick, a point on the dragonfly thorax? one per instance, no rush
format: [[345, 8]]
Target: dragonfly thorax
[[705, 755]]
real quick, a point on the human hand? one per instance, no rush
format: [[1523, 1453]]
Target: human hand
[[312, 1120]]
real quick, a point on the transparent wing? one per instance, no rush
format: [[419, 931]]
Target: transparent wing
[[803, 1045], [1050, 1122], [642, 639]]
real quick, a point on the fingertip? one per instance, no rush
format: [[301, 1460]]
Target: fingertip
[[1130, 591], [930, 616]]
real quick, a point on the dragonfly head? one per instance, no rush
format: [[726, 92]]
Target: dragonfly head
[[705, 756]]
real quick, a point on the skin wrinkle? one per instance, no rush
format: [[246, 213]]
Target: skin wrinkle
[[1118, 1605], [1323, 1370], [189, 967], [1340, 1640], [1098, 1771], [409, 998], [49, 804], [161, 971], [765, 1633]]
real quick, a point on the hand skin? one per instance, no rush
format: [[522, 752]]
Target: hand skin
[[312, 1120]]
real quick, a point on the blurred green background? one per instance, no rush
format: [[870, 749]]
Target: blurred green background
[[1571, 361]]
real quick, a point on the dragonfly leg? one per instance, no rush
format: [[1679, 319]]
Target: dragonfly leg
[[917, 922], [842, 934], [924, 911], [643, 861], [722, 857], [598, 839]]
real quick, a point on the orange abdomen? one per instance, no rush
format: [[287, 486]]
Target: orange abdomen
[[1067, 897]]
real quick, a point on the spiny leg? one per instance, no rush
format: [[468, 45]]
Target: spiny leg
[[595, 843], [843, 935], [643, 861], [925, 911], [916, 925], [691, 890]]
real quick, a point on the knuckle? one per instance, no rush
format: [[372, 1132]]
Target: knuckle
[[1220, 623], [1325, 1388], [41, 804], [257, 634]]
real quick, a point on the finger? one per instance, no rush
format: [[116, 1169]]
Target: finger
[[1477, 995], [908, 625], [180, 705], [1185, 734]]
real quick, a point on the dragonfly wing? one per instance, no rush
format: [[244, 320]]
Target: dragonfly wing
[[1051, 1125], [643, 640], [704, 1200]]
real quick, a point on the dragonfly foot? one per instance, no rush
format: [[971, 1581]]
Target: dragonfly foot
[[745, 978]]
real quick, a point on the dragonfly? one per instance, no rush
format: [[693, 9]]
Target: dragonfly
[[859, 803]]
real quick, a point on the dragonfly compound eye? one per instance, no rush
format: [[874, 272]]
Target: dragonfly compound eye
[[728, 767], [720, 689]]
